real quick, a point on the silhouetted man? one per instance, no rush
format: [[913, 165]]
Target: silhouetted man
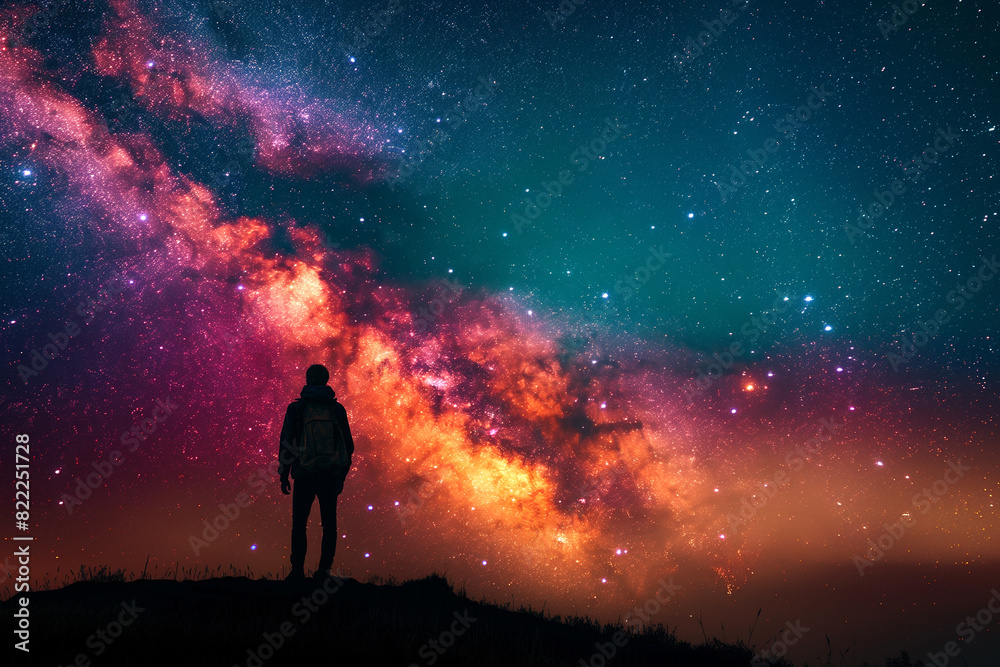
[[316, 448]]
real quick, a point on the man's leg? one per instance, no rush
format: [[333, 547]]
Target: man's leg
[[327, 495], [303, 493]]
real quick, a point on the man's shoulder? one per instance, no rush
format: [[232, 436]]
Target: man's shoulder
[[333, 403], [301, 403]]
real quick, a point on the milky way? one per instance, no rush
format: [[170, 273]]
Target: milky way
[[518, 442]]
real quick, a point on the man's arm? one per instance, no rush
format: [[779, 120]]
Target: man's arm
[[287, 443], [348, 438]]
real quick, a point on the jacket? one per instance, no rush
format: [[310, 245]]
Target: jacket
[[291, 429]]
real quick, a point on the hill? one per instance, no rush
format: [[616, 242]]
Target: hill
[[238, 621]]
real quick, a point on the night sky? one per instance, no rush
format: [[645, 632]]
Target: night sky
[[641, 291]]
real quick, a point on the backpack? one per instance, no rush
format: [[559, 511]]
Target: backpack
[[322, 447]]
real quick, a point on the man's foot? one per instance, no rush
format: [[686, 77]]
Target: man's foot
[[321, 574], [297, 574]]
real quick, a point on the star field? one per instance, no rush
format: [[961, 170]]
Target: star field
[[599, 315]]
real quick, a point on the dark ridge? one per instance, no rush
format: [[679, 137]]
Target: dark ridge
[[226, 622]]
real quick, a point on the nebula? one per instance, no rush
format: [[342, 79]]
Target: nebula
[[524, 452]]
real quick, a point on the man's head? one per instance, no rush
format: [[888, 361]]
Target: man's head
[[317, 374]]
